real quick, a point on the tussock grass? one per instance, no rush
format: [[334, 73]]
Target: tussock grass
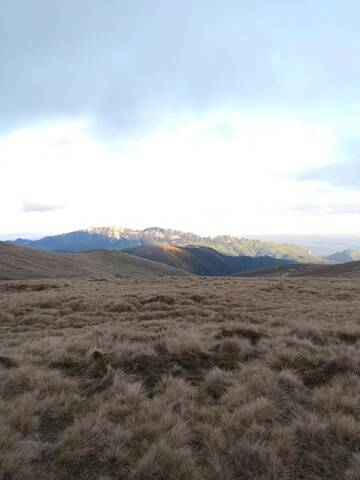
[[180, 379]]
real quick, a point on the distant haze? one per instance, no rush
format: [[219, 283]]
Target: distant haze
[[212, 117], [321, 245]]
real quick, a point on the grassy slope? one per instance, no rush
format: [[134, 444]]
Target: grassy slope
[[345, 270], [21, 263], [182, 379]]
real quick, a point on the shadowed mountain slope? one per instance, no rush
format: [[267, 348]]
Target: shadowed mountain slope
[[24, 263], [203, 260]]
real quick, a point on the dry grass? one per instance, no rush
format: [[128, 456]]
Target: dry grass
[[180, 379]]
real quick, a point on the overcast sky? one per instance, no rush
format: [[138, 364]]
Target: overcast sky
[[229, 116]]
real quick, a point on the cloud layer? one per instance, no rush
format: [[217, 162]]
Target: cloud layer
[[135, 64]]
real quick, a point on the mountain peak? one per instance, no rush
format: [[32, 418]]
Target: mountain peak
[[112, 232]]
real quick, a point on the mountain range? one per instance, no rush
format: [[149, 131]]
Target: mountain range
[[116, 238]]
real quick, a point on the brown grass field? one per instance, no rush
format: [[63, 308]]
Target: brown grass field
[[180, 378]]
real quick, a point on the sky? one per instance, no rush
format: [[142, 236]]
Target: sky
[[232, 116]]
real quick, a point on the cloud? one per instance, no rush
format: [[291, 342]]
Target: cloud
[[186, 177], [134, 64], [30, 206]]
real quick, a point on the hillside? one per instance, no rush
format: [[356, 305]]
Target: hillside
[[24, 263], [346, 270], [344, 256], [203, 260], [341, 270], [114, 238]]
